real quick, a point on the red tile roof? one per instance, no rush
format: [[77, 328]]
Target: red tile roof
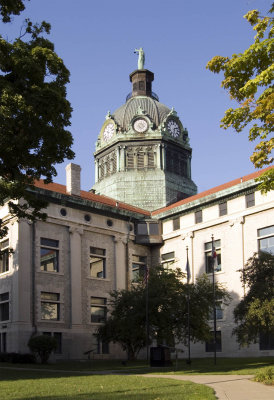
[[56, 187], [213, 190]]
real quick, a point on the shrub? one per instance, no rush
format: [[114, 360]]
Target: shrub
[[42, 345], [265, 375], [17, 358]]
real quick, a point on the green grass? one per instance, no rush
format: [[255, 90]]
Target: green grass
[[46, 385], [235, 366], [265, 375]]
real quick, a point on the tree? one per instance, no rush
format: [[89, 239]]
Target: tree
[[254, 314], [248, 78], [167, 311], [42, 345], [34, 114]]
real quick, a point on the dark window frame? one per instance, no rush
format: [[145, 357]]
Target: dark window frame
[[49, 300], [99, 303], [99, 256], [198, 216], [209, 346], [250, 199], [222, 208], [48, 246]]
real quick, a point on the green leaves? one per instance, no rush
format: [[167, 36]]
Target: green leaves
[[167, 311], [254, 314], [34, 113], [248, 78]]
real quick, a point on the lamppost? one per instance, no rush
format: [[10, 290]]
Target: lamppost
[[188, 305], [213, 262]]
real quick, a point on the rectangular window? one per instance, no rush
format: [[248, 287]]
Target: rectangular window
[[198, 217], [99, 346], [223, 208], [97, 262], [98, 309], [219, 312], [49, 255], [3, 342], [4, 307], [250, 200], [168, 260], [142, 229], [266, 239], [216, 260], [210, 343], [176, 224], [50, 306], [4, 256], [154, 228], [266, 341], [139, 265]]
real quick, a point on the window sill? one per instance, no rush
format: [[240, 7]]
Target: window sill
[[51, 272], [99, 279]]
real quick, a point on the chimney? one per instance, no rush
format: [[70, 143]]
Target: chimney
[[73, 179]]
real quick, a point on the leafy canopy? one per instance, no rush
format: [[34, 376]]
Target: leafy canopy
[[254, 314], [167, 311], [248, 78], [34, 114]]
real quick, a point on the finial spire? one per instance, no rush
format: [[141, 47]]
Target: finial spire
[[141, 58]]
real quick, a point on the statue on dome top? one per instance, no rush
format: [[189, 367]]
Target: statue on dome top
[[141, 58]]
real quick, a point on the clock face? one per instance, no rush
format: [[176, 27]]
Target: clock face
[[108, 132], [173, 128], [140, 125]]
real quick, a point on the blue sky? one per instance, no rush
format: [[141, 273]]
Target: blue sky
[[96, 40]]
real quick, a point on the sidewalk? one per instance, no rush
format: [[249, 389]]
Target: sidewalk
[[228, 387]]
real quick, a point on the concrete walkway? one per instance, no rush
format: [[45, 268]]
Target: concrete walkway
[[228, 387]]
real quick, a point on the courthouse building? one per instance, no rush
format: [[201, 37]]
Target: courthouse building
[[143, 210]]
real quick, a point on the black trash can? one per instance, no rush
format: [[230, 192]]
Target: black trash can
[[160, 356]]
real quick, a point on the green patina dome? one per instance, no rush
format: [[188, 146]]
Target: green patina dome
[[153, 108]]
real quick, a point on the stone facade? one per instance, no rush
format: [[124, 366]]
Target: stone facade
[[62, 299]]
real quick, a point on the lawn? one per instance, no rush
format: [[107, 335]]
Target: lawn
[[239, 366], [46, 385]]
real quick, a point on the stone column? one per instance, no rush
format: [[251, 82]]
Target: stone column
[[158, 156], [76, 275], [163, 157], [118, 158], [122, 158], [96, 171]]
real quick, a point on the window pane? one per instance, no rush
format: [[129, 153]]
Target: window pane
[[223, 208], [250, 200], [58, 337], [154, 229], [267, 244], [96, 250], [97, 267], [210, 343], [198, 217], [4, 296], [50, 296], [168, 256], [266, 341], [49, 242], [142, 229], [4, 244], [98, 300], [49, 259], [266, 231], [176, 224], [4, 262], [210, 262], [139, 259], [50, 311], [98, 314], [4, 311]]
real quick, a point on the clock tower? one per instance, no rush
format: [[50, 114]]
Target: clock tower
[[143, 156]]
